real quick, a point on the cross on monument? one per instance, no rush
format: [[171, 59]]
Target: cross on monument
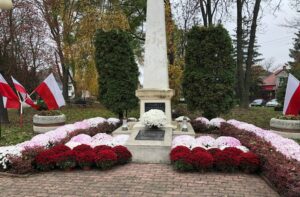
[[155, 93]]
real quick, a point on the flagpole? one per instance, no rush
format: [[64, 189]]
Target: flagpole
[[21, 111]]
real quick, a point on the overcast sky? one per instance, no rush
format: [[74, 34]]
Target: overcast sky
[[274, 38]]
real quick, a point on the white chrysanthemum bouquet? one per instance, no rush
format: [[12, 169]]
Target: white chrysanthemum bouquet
[[154, 118]]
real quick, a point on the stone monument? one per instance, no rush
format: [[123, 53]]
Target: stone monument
[[155, 93], [153, 146]]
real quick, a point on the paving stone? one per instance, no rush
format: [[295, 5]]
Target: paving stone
[[136, 180]]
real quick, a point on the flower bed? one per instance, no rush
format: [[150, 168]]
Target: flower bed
[[202, 124], [83, 156], [206, 153], [11, 157], [280, 156]]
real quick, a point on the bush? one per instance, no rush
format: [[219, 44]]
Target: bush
[[123, 154], [179, 149], [60, 148], [202, 160], [106, 159], [281, 171], [226, 161], [249, 162], [182, 161], [199, 127], [85, 158], [44, 161], [117, 69], [208, 80], [65, 160], [214, 151], [102, 147], [198, 149], [82, 148], [20, 165]]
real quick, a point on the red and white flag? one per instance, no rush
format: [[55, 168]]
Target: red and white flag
[[26, 98], [10, 99], [50, 93], [292, 97]]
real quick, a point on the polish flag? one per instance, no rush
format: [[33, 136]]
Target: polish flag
[[26, 98], [292, 97], [50, 93], [10, 99]]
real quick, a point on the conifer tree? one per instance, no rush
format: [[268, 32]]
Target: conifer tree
[[117, 69], [208, 83]]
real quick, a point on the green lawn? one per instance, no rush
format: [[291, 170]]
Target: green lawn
[[259, 116], [12, 133]]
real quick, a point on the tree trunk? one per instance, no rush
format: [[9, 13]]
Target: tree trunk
[[209, 13], [204, 18], [65, 81], [239, 62], [250, 53]]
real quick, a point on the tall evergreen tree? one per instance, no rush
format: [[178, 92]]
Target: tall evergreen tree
[[208, 83], [118, 71]]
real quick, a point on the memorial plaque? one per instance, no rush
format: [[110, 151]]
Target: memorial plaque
[[160, 106], [151, 134]]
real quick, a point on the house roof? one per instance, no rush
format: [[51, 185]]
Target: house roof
[[270, 80]]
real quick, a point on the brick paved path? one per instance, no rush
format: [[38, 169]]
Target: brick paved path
[[135, 180]]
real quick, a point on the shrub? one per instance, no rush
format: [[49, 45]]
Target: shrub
[[214, 151], [117, 68], [60, 148], [102, 147], [198, 149], [249, 162], [179, 149], [65, 160], [233, 151], [85, 158], [44, 161], [123, 154], [182, 161], [20, 165], [209, 71], [105, 159], [202, 160], [32, 152], [199, 126], [226, 161], [82, 148], [281, 171]]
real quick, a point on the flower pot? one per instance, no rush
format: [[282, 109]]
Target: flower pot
[[43, 124]]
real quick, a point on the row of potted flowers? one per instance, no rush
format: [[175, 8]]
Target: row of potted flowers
[[280, 156], [230, 159], [206, 153], [15, 154], [83, 156]]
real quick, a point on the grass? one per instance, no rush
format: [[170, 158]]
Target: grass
[[259, 116], [12, 133]]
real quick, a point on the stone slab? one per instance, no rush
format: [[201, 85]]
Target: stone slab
[[150, 151]]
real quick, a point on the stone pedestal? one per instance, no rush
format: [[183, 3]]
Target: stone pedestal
[[155, 99]]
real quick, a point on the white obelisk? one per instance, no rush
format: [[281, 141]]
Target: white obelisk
[[155, 93]]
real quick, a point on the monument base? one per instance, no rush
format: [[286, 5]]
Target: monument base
[[152, 150], [155, 99]]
